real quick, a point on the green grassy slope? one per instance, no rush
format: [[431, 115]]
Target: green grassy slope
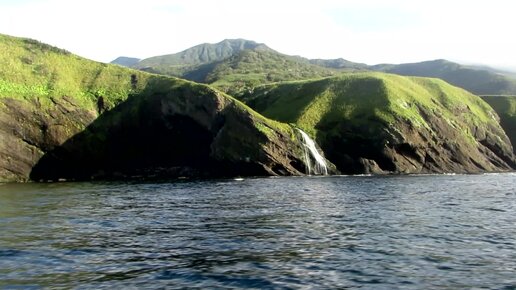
[[38, 71], [251, 68], [375, 109], [33, 70], [476, 80], [47, 95], [359, 96], [505, 106]]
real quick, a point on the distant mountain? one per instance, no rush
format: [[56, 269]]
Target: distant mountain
[[339, 63], [251, 68], [180, 63], [478, 80], [235, 65], [126, 61]]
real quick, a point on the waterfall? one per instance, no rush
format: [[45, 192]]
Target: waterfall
[[315, 163]]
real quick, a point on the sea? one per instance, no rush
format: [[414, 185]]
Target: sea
[[331, 232]]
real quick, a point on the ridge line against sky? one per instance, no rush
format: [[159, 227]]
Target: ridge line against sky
[[368, 31]]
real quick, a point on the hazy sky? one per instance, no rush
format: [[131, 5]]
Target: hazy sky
[[370, 31]]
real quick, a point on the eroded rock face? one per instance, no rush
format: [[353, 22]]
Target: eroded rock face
[[191, 131], [402, 147], [379, 123], [442, 148], [28, 130], [505, 107]]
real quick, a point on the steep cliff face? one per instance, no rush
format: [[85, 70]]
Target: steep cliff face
[[505, 106], [180, 129], [379, 123], [29, 129], [173, 129], [47, 95], [64, 117]]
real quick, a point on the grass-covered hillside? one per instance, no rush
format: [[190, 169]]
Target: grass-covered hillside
[[505, 106], [35, 71], [47, 95], [478, 80], [390, 123], [63, 116], [251, 68]]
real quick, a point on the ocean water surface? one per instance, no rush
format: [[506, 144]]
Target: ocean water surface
[[369, 232]]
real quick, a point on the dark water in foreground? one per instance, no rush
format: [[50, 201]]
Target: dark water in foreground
[[312, 233]]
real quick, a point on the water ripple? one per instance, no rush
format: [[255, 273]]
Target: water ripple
[[274, 233]]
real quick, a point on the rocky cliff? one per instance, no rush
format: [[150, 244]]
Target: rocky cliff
[[176, 129], [381, 123], [64, 117], [505, 107]]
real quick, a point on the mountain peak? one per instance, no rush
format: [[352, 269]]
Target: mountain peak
[[203, 53], [126, 61], [241, 44]]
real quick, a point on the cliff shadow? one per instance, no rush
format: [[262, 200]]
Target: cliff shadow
[[136, 139]]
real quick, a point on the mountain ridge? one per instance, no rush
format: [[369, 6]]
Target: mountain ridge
[[478, 81], [481, 80], [126, 61], [233, 65], [203, 53]]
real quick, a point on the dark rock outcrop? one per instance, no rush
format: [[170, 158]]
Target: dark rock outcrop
[[403, 147], [28, 130]]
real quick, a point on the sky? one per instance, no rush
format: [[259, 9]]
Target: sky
[[367, 31]]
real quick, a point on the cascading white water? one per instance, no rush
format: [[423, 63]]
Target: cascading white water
[[311, 153]]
